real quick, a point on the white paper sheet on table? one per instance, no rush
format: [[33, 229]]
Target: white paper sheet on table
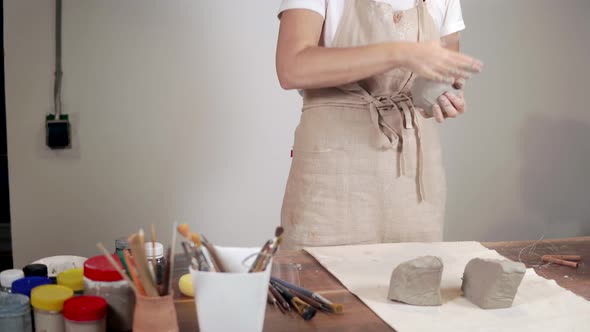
[[365, 270]]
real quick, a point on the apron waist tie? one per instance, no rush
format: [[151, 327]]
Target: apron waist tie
[[388, 137]]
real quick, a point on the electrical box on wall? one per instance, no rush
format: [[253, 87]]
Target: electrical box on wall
[[58, 131]]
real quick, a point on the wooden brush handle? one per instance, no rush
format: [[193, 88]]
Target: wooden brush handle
[[133, 274], [145, 276], [282, 302], [116, 266], [217, 264]]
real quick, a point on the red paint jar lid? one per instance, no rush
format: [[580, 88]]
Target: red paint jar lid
[[98, 268], [85, 308]]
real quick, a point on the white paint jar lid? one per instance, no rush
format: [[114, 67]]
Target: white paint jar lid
[[9, 276], [150, 253]]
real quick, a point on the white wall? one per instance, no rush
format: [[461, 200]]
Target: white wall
[[178, 115], [518, 162]]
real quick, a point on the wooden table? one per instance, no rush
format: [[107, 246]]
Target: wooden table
[[301, 268]]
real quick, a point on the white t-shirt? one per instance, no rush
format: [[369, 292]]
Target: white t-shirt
[[447, 14]]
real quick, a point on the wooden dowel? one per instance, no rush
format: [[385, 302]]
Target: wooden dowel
[[574, 258], [550, 259]]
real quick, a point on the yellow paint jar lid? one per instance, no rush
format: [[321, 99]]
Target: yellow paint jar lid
[[50, 297], [185, 284], [73, 279]]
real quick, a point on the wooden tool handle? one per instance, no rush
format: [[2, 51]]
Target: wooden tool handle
[[144, 274], [554, 260], [575, 258]]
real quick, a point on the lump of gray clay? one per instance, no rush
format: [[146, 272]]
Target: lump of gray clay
[[417, 281], [492, 283], [425, 93]]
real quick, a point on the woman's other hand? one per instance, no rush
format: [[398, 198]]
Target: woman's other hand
[[451, 104]]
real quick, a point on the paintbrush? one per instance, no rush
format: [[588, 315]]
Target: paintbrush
[[333, 307], [217, 264], [276, 302], [128, 260], [270, 299], [260, 257], [283, 304], [111, 260], [278, 234], [185, 231], [137, 244], [311, 302], [273, 248], [122, 259], [188, 251], [264, 254], [198, 251], [168, 287], [166, 276], [154, 267], [195, 251], [306, 311]]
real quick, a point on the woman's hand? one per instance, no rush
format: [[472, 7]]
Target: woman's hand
[[450, 105], [434, 62]]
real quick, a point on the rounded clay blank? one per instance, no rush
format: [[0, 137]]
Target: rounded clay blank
[[425, 93]]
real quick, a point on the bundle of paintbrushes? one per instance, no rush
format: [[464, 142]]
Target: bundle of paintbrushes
[[138, 271], [202, 255], [306, 303], [267, 252]]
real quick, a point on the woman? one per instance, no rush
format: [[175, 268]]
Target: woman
[[365, 167]]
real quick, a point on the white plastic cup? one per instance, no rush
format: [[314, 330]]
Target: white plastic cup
[[234, 300]]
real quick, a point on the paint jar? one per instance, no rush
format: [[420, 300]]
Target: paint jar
[[7, 277], [48, 302], [85, 314], [235, 300], [15, 313], [25, 285], [73, 279], [155, 314], [156, 256], [102, 279], [35, 270]]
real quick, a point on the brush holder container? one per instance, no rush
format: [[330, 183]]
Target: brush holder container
[[233, 300], [155, 314]]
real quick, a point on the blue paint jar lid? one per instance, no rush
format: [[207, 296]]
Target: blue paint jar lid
[[25, 285]]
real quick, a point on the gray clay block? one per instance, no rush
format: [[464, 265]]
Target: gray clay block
[[492, 283], [417, 281], [425, 93]]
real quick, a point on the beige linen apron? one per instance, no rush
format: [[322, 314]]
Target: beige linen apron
[[366, 167]]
